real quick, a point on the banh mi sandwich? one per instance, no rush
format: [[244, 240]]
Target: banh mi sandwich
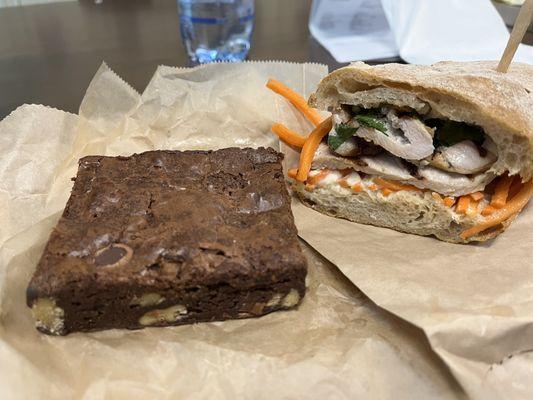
[[443, 150]]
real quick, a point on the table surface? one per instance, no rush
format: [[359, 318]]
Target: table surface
[[49, 52]]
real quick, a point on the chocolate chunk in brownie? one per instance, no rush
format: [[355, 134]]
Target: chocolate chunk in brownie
[[168, 238]]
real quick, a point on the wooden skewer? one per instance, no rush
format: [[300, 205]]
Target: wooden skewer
[[519, 30]]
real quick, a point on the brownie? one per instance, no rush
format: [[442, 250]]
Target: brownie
[[168, 238]]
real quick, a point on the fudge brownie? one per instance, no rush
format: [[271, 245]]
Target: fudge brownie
[[168, 238]]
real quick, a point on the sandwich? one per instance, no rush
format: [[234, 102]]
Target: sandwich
[[443, 150]]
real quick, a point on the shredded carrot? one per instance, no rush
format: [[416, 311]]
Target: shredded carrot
[[488, 210], [462, 204], [357, 187], [449, 201], [288, 136], [310, 146], [313, 180], [437, 197], [292, 173], [476, 196], [344, 184], [297, 101], [501, 192], [386, 192], [373, 187], [471, 210], [393, 185], [513, 206]]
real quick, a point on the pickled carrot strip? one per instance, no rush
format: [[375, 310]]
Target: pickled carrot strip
[[393, 185], [297, 101], [512, 207], [462, 204], [477, 196], [499, 198], [310, 147], [288, 136], [449, 201]]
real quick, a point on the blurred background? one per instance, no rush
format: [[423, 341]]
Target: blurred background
[[49, 50]]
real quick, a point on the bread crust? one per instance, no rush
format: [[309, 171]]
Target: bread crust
[[471, 92]]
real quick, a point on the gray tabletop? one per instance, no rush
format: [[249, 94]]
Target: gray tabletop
[[49, 52]]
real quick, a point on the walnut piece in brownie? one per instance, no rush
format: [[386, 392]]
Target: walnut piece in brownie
[[168, 238]]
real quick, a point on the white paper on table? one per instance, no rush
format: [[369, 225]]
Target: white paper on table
[[352, 29], [424, 31]]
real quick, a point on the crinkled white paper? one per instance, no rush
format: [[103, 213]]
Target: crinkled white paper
[[419, 31], [337, 345]]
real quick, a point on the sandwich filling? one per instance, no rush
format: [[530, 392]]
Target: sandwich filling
[[448, 157], [388, 147], [381, 151]]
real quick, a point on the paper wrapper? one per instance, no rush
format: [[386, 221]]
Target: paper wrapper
[[337, 344], [474, 302]]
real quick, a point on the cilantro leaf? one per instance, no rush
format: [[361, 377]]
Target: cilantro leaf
[[371, 121], [448, 133], [343, 132]]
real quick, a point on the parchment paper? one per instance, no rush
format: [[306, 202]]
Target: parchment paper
[[337, 345], [474, 302]]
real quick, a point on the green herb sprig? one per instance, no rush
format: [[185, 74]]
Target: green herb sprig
[[371, 121], [343, 132], [448, 133]]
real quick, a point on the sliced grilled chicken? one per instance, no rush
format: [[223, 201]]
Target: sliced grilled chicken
[[383, 164], [392, 167], [349, 148], [463, 157], [326, 158], [340, 116], [450, 183], [405, 137]]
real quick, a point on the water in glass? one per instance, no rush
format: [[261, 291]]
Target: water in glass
[[216, 30]]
